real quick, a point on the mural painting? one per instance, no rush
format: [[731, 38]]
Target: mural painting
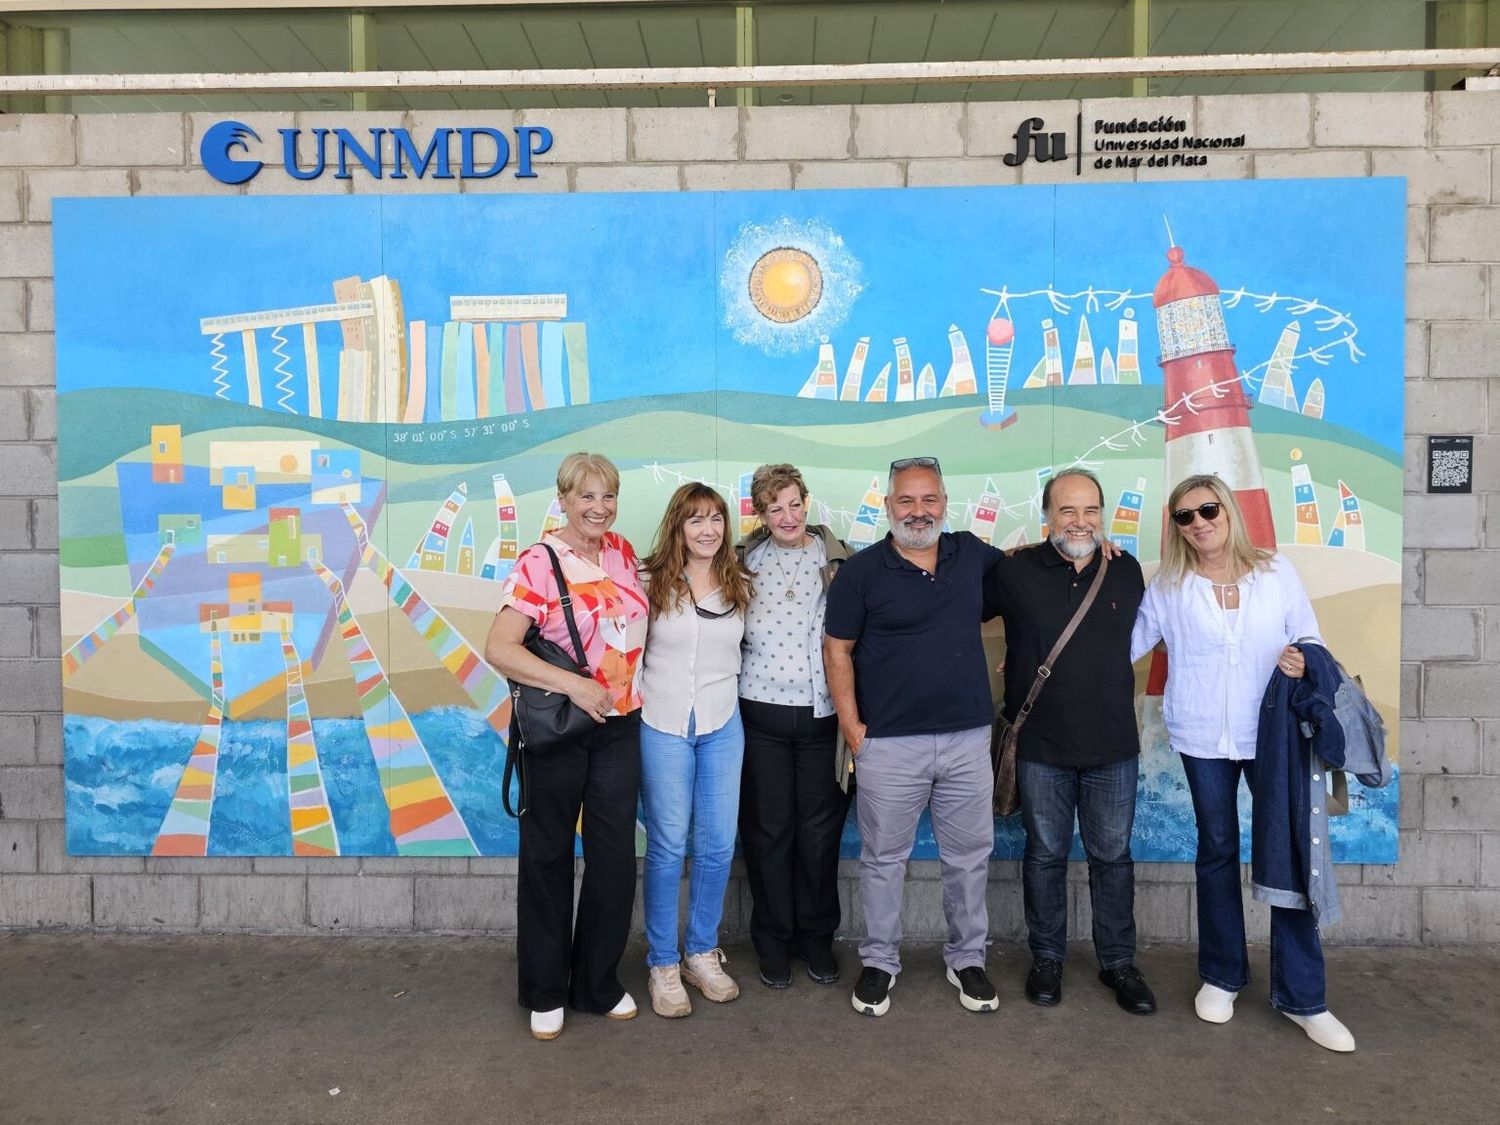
[[302, 441]]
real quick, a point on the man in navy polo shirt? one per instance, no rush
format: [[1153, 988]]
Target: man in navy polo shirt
[[909, 678]]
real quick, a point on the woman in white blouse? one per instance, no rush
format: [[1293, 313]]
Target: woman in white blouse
[[1229, 613], [692, 743]]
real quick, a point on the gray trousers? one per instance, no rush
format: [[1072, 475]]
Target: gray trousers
[[898, 777]]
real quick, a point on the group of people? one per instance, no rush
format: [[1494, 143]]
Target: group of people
[[730, 684]]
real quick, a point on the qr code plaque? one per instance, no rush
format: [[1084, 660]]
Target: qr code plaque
[[1450, 463]]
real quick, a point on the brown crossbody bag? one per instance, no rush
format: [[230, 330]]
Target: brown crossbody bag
[[1006, 734]]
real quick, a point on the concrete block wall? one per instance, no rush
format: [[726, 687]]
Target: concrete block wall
[[1446, 887]]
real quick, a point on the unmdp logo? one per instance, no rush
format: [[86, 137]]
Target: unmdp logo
[[219, 140]]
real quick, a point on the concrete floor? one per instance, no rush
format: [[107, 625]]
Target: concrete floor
[[194, 1029]]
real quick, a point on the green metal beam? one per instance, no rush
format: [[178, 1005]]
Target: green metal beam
[[363, 55], [744, 50], [1140, 42]]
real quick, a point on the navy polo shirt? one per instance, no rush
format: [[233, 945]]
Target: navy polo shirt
[[919, 663]]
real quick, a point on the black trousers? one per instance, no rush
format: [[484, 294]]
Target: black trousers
[[560, 960], [791, 817]]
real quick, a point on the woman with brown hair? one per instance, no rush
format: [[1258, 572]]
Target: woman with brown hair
[[1230, 614], [691, 742], [792, 809], [561, 961]]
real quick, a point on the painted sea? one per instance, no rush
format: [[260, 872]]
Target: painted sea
[[121, 777]]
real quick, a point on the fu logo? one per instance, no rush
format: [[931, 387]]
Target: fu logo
[[1032, 141]]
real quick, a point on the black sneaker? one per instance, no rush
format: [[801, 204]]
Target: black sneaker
[[776, 971], [872, 992], [822, 966], [1044, 982], [1131, 990], [975, 992]]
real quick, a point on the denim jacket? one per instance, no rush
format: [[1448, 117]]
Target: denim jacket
[[1299, 738]]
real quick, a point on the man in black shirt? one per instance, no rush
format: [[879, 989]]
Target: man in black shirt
[[1078, 753], [909, 679]]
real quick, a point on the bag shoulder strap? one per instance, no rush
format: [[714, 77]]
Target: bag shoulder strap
[[565, 599], [1045, 670]]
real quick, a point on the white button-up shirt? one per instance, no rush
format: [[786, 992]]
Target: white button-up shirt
[[692, 668], [1218, 662]]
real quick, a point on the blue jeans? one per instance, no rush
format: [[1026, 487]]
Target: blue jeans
[[1103, 799], [1297, 978], [692, 780]]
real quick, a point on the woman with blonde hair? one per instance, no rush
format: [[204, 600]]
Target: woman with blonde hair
[[1230, 613], [559, 960], [692, 742], [792, 806]]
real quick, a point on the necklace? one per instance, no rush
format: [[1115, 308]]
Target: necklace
[[790, 580]]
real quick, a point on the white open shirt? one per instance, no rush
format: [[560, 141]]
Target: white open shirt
[[1218, 662]]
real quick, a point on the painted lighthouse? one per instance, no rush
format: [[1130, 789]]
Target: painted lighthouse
[[1204, 395]]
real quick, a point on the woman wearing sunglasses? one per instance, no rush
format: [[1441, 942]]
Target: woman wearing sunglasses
[[1229, 612], [692, 743]]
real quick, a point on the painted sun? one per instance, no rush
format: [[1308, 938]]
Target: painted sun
[[785, 284]]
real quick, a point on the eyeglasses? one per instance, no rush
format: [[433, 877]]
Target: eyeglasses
[[900, 466], [708, 614], [1209, 512]]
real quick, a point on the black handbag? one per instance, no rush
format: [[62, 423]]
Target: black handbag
[[543, 720]]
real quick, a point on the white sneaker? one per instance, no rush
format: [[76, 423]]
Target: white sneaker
[[668, 998], [1325, 1030], [625, 1009], [705, 972], [547, 1025], [1214, 1004]]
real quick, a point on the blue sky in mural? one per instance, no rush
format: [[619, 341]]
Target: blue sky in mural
[[647, 273]]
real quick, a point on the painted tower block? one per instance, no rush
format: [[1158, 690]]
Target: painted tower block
[[239, 488], [878, 387], [336, 477], [1083, 357], [576, 343], [481, 372], [450, 402], [927, 382], [184, 530], [1349, 526], [554, 518], [867, 516], [1107, 368], [1127, 350], [1052, 353], [416, 379], [531, 364], [1276, 388], [166, 455], [986, 512], [961, 379], [1125, 527], [432, 552], [1312, 405], [822, 382], [749, 521], [1308, 527], [905, 384], [495, 373], [286, 537], [1037, 376], [552, 363], [466, 549], [515, 395], [854, 374], [1043, 475], [463, 378]]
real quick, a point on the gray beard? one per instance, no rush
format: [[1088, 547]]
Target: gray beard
[[1073, 550], [913, 539]]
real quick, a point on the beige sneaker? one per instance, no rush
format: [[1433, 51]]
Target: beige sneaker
[[704, 972], [668, 997]]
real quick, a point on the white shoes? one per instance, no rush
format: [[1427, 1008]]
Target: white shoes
[[1214, 1004], [705, 972], [1325, 1030], [547, 1025]]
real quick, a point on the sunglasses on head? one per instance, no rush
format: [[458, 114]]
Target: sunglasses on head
[[1209, 512], [904, 463]]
